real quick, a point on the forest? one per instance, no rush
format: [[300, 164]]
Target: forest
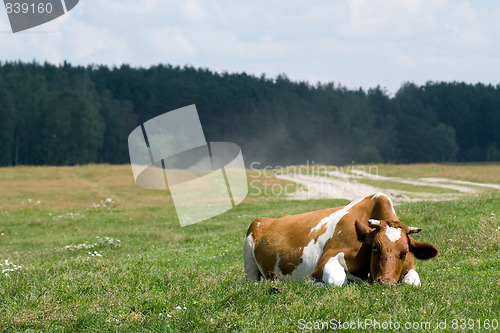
[[67, 115]]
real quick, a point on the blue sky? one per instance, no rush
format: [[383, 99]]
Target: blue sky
[[357, 43]]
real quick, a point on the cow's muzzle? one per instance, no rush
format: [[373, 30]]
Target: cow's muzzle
[[386, 281]]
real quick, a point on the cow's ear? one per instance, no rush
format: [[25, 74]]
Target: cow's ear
[[362, 231], [422, 250]]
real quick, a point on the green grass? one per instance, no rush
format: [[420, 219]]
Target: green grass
[[137, 282]]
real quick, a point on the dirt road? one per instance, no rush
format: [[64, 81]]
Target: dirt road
[[352, 184]]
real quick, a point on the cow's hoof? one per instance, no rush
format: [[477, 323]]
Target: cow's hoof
[[319, 283]]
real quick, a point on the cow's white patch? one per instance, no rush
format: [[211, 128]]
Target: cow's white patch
[[411, 278], [334, 272], [373, 221], [393, 233], [314, 249], [338, 233], [335, 217], [252, 267]]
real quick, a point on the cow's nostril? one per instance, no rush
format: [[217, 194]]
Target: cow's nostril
[[386, 281]]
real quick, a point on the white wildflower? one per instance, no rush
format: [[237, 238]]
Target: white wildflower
[[107, 203], [9, 266], [101, 242], [69, 215]]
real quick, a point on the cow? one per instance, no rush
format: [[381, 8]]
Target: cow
[[362, 241]]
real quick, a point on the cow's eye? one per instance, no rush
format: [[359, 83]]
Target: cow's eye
[[402, 255], [375, 248]]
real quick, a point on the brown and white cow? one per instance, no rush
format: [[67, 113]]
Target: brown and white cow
[[363, 240]]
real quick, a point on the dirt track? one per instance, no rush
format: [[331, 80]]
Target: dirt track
[[337, 185]]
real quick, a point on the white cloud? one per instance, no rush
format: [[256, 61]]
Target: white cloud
[[193, 11], [170, 43], [125, 8], [91, 44]]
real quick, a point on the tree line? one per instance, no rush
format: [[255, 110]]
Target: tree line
[[66, 115]]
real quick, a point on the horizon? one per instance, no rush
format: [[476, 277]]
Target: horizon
[[263, 75]]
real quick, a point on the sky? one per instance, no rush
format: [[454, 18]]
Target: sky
[[355, 43]]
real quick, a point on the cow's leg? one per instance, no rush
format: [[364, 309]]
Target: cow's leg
[[411, 278], [251, 268], [334, 272]]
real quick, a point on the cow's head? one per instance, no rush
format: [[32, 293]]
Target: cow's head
[[392, 248]]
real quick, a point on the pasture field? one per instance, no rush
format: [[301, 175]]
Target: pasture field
[[83, 249]]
